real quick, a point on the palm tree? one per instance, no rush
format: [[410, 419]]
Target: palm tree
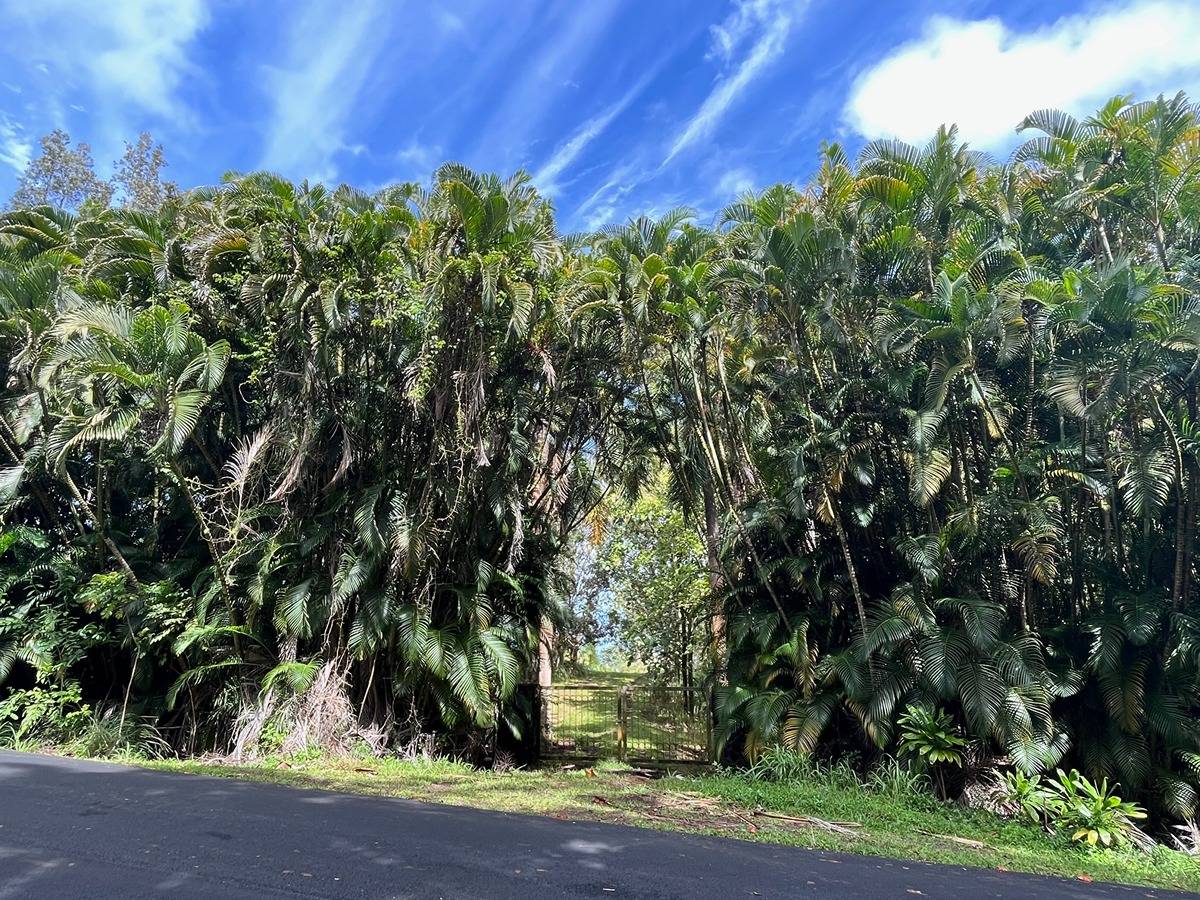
[[319, 456]]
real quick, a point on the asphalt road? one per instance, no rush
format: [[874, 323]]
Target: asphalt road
[[82, 829]]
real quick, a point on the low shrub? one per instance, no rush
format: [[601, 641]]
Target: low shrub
[[781, 764], [1072, 804], [1023, 795], [930, 736], [899, 783], [930, 740], [1089, 812], [40, 716], [108, 732], [778, 763]]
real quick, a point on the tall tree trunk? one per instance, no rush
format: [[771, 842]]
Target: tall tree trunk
[[716, 586], [851, 569], [1181, 543], [217, 557], [1030, 381], [111, 546], [1180, 506], [1189, 525], [545, 651]]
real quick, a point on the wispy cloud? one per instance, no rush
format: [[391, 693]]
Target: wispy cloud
[[567, 42], [602, 205], [132, 54], [735, 182], [743, 45], [16, 149], [986, 76], [548, 175], [764, 25], [146, 58], [330, 55], [418, 160], [746, 20]]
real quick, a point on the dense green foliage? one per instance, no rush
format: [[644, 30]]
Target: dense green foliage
[[272, 427], [934, 418]]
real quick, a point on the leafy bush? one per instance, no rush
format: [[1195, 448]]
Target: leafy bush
[[37, 716], [1071, 803], [1024, 795], [1091, 813], [929, 735]]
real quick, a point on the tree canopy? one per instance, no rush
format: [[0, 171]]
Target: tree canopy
[[929, 423]]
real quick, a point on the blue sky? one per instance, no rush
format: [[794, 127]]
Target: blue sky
[[616, 106]]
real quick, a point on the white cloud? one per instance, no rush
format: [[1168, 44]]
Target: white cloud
[[764, 24], [130, 54], [601, 216], [418, 160], [144, 51], [16, 149], [601, 207], [986, 77], [330, 55], [547, 176], [735, 182], [744, 22], [449, 22]]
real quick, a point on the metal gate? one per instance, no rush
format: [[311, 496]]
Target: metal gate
[[635, 723]]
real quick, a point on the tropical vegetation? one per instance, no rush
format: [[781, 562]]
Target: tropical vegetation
[[291, 465]]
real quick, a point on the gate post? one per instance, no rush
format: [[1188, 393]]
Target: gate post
[[538, 709], [710, 720], [622, 723]]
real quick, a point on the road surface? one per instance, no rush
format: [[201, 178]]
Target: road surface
[[83, 829]]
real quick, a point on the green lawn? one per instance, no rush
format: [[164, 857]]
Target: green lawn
[[601, 677], [909, 827]]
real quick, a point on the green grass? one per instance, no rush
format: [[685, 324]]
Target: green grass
[[562, 794], [921, 828], [602, 677], [911, 826]]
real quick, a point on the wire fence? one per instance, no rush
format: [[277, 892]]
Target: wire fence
[[579, 720], [665, 724], [638, 723]]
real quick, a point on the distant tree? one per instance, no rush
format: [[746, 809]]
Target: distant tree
[[61, 176], [137, 175], [587, 612], [651, 562]]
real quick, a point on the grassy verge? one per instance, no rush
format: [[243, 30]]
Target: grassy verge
[[904, 826]]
